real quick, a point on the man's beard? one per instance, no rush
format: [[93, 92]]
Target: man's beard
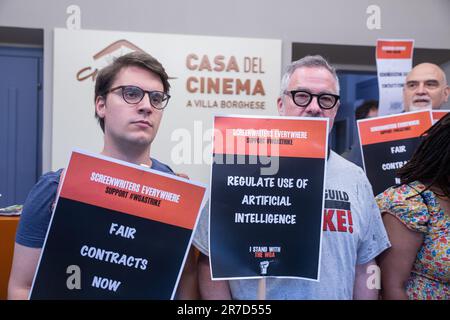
[[429, 106]]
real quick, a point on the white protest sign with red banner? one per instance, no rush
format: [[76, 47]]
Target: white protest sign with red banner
[[388, 143], [267, 196], [126, 228], [394, 61]]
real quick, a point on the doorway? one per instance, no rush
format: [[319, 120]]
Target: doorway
[[20, 122]]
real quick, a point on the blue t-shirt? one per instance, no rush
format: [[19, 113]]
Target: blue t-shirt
[[38, 207]]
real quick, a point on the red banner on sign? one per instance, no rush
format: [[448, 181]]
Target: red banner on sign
[[395, 127], [122, 188], [270, 136]]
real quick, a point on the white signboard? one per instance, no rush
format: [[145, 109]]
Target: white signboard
[[213, 75], [394, 61]]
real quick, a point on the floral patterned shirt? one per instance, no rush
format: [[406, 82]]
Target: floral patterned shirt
[[430, 276]]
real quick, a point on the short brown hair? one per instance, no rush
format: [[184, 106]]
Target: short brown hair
[[107, 75]]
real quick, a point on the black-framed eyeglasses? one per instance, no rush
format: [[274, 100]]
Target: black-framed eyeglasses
[[134, 95], [303, 98]]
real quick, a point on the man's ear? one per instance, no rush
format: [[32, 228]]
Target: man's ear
[[280, 106], [100, 106]]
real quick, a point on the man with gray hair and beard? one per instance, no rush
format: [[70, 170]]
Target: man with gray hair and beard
[[310, 88], [425, 88]]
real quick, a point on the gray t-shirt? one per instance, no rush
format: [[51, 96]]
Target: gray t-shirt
[[342, 247]]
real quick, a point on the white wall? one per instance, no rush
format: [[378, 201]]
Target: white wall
[[319, 21]]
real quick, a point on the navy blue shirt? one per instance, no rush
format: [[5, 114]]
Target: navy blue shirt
[[38, 207]]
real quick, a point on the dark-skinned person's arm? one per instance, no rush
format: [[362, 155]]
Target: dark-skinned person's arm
[[397, 262]]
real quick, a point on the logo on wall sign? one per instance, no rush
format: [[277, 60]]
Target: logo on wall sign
[[106, 56]]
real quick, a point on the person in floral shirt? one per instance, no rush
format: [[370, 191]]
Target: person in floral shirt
[[416, 215]]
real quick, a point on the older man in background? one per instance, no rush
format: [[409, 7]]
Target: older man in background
[[425, 88]]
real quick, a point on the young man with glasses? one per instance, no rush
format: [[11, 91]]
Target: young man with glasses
[[310, 88], [130, 95]]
